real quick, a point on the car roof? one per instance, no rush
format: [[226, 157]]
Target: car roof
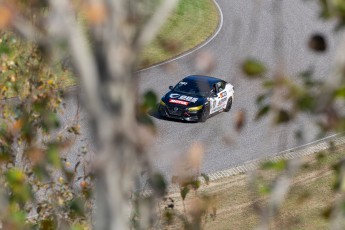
[[208, 79]]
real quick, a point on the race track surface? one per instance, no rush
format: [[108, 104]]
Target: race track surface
[[247, 31]]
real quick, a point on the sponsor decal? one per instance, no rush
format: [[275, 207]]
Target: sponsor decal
[[174, 95], [223, 94], [187, 98], [214, 103], [222, 101], [178, 102], [183, 97]]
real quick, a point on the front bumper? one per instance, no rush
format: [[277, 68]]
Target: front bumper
[[180, 113]]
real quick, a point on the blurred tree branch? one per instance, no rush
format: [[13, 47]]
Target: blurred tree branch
[[117, 32]]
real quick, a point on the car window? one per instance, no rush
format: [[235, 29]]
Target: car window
[[199, 88], [220, 86]]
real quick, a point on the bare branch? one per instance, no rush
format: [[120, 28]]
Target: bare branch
[[64, 19], [153, 25]]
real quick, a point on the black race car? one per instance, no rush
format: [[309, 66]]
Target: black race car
[[196, 97]]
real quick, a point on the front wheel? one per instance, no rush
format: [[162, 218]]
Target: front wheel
[[205, 113], [228, 105]]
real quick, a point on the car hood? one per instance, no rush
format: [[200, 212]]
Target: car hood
[[183, 99]]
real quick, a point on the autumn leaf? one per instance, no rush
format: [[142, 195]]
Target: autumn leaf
[[95, 13], [5, 17]]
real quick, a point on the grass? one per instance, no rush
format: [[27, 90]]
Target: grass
[[192, 23], [306, 206]]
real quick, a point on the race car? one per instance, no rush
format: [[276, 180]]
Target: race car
[[196, 97]]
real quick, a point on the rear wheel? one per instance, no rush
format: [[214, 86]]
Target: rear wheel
[[205, 113], [228, 105]]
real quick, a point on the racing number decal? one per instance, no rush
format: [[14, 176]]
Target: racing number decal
[[222, 101], [217, 103], [213, 104]]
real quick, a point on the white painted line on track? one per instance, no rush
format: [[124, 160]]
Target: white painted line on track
[[197, 47], [300, 151], [310, 143]]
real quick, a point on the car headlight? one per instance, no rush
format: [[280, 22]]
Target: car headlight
[[195, 108], [162, 103]]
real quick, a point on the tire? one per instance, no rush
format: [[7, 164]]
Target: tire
[[158, 112], [228, 105], [205, 113]]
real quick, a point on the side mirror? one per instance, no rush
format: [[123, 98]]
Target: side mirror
[[171, 87]]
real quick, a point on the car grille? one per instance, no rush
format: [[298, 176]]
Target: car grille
[[175, 110]]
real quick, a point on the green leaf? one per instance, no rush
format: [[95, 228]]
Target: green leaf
[[306, 102], [79, 227], [278, 166], [340, 93], [150, 100], [51, 121], [77, 206], [206, 178], [283, 117], [195, 184], [264, 189], [21, 192], [268, 84], [261, 98], [158, 183], [4, 49], [169, 216], [5, 154], [145, 119], [19, 217], [327, 212], [40, 171], [307, 75], [49, 223], [53, 155], [320, 157], [253, 68], [184, 191], [263, 111], [15, 176]]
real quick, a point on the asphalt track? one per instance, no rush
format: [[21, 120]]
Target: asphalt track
[[247, 31]]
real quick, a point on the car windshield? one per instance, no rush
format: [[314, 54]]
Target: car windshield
[[196, 88]]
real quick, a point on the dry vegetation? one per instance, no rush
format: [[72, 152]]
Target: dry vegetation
[[306, 207]]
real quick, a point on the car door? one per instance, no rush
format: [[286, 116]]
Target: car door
[[223, 98], [215, 101]]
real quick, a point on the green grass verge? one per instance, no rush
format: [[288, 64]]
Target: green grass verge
[[191, 24], [306, 206]]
